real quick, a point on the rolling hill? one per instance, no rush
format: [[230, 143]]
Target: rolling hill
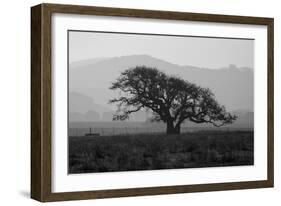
[[232, 86]]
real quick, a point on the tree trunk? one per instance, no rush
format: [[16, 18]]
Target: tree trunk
[[171, 129], [178, 129]]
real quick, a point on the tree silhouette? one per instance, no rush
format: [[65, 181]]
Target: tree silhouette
[[171, 99]]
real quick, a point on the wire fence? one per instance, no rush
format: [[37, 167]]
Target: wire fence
[[114, 131]]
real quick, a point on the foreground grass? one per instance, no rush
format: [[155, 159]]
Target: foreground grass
[[160, 151]]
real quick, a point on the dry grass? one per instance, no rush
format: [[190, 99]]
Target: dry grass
[[160, 151]]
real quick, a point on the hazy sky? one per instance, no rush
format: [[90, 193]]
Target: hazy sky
[[195, 51]]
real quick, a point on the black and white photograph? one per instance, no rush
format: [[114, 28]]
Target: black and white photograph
[[139, 101]]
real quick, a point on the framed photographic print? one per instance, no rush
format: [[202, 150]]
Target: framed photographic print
[[130, 102]]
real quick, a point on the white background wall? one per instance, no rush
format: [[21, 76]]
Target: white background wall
[[15, 102]]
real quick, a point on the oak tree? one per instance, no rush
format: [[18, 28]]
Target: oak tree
[[171, 99]]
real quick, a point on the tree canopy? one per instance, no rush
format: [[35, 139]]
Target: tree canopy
[[171, 99]]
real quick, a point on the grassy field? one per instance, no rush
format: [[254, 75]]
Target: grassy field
[[160, 151]]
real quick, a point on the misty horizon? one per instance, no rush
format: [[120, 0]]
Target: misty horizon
[[102, 58], [211, 52], [97, 59], [83, 79]]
